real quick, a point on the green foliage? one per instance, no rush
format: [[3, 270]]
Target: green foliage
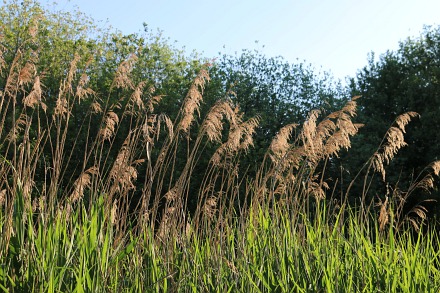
[[400, 81]]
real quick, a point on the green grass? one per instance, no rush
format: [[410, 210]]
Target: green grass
[[264, 251]]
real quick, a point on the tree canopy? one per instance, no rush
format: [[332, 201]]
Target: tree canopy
[[400, 81]]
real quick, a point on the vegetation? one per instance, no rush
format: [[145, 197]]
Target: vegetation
[[401, 81], [108, 185]]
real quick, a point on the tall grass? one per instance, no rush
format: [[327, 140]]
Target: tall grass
[[70, 223]]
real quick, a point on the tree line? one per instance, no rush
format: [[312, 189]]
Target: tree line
[[271, 89]]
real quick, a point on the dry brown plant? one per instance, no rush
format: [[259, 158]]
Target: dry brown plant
[[384, 214], [66, 86], [294, 160], [209, 208], [110, 122], [11, 86], [27, 73], [123, 173], [394, 141], [240, 138], [280, 144], [436, 167], [82, 183], [136, 96], [82, 91], [192, 100], [213, 124], [2, 58], [2, 197], [122, 78], [35, 96], [96, 107], [62, 108]]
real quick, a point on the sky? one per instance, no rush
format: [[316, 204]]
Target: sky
[[333, 35]]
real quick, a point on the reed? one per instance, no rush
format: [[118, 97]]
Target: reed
[[98, 224]]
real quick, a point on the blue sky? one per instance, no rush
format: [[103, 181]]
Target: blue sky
[[334, 35]]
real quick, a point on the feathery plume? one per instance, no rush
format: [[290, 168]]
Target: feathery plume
[[35, 96], [280, 144], [213, 124], [436, 167], [82, 183], [209, 208], [81, 91], [26, 73], [136, 97], [394, 141], [192, 101], [110, 122], [383, 215], [61, 107], [122, 79]]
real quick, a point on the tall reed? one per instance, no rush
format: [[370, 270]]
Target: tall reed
[[78, 215]]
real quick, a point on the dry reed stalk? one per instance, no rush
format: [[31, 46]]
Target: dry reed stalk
[[82, 183], [421, 213], [436, 167], [122, 173], [61, 118], [151, 128], [308, 135], [280, 144], [344, 129], [384, 214], [62, 105], [192, 100], [19, 126], [166, 225], [122, 79], [394, 141], [166, 157], [114, 213], [110, 122], [96, 108], [213, 123], [2, 197], [136, 96], [66, 85], [82, 91], [62, 108], [294, 164], [330, 137], [239, 139], [35, 96], [209, 208], [27, 73]]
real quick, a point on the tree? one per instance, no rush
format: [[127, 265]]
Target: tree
[[401, 81]]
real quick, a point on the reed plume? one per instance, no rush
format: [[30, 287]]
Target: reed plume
[[393, 142], [192, 100]]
